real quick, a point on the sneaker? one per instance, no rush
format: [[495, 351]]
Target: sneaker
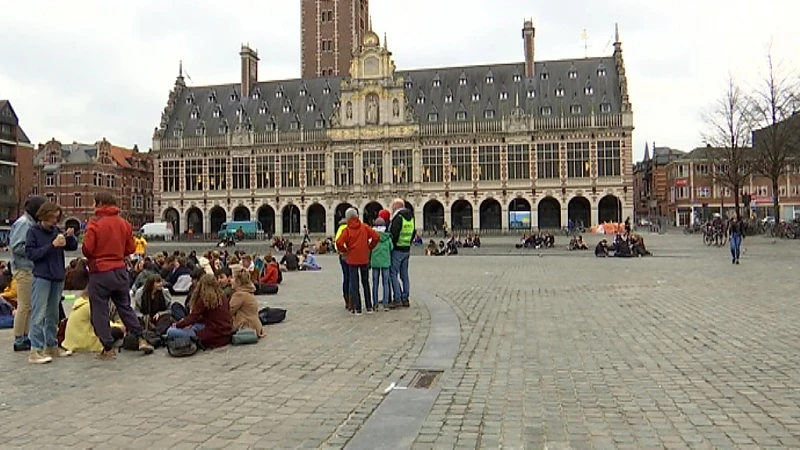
[[737, 261], [406, 305], [358, 313], [57, 352], [22, 346], [385, 307], [107, 355], [145, 346], [394, 305], [36, 357], [370, 311]]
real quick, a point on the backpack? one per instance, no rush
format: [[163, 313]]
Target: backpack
[[182, 347], [271, 316]]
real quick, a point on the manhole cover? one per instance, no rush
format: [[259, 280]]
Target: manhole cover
[[425, 379]]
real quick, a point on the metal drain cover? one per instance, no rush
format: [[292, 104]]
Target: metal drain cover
[[425, 379]]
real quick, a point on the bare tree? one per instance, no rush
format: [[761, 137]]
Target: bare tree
[[777, 128], [727, 138]]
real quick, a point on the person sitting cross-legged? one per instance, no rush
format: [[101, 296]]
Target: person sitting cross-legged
[[209, 318]]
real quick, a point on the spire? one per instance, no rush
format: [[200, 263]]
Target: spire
[[647, 151], [385, 41], [616, 32], [370, 22], [180, 81]]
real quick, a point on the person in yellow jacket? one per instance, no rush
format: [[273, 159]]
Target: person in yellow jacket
[[79, 334], [141, 246], [348, 301], [9, 294]]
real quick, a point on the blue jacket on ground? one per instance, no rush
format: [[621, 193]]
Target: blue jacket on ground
[[16, 241], [48, 261]]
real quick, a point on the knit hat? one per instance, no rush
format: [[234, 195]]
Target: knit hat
[[384, 214], [379, 222]]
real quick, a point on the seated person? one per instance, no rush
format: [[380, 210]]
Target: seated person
[[310, 261], [622, 248], [179, 311], [244, 305], [5, 275], [468, 242], [224, 278], [451, 247], [431, 249], [601, 251], [180, 278], [79, 333], [637, 246], [209, 318], [290, 261], [476, 241], [272, 273], [152, 302], [418, 242], [234, 265], [9, 294], [577, 243]]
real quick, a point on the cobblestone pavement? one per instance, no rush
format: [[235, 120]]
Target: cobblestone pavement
[[682, 350]]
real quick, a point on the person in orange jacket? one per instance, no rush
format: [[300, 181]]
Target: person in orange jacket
[[357, 241]]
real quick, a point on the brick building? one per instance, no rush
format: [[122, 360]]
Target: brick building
[[331, 32], [16, 161], [72, 173], [693, 192], [650, 183]]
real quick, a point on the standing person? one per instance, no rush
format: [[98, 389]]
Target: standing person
[[380, 260], [736, 233], [141, 246], [45, 245], [348, 302], [108, 240], [403, 231], [357, 240], [22, 270], [306, 238]]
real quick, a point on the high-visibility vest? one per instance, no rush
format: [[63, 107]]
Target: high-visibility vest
[[406, 232]]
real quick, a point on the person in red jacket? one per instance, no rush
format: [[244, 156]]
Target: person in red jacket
[[356, 242], [106, 243], [271, 273]]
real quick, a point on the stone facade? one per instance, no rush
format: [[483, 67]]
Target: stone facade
[[16, 156], [331, 30], [474, 148]]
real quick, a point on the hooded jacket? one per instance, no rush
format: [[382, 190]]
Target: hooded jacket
[[357, 241], [48, 261], [79, 335], [381, 256], [396, 227], [108, 240]]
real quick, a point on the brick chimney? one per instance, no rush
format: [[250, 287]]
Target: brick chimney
[[528, 33], [249, 69]]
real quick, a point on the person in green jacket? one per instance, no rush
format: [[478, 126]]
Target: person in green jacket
[[380, 259]]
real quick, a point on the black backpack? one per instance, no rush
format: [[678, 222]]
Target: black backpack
[[270, 316], [182, 347]]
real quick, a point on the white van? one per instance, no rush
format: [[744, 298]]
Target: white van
[[158, 230]]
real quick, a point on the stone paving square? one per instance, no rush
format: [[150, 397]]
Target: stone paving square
[[562, 350]]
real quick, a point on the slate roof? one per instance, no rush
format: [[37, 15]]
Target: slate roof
[[568, 87], [77, 153], [21, 136]]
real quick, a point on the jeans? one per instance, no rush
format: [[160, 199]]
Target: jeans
[[355, 271], [736, 244], [400, 267], [381, 275], [24, 279], [345, 277], [45, 299], [190, 332]]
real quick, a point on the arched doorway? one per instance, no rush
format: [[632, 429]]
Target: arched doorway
[[433, 216], [609, 209], [241, 213], [461, 215], [217, 216], [291, 219], [316, 218], [371, 211], [338, 213], [266, 215], [549, 214], [579, 211], [491, 215], [194, 220], [519, 214], [75, 225], [172, 217]]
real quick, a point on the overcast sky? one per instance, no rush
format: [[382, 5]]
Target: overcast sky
[[81, 70]]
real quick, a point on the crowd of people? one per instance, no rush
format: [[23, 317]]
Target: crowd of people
[[626, 245], [537, 240], [451, 246]]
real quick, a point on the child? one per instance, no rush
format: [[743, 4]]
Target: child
[[209, 318], [380, 259]]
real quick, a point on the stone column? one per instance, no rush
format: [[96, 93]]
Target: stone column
[[564, 214], [207, 221], [504, 216]]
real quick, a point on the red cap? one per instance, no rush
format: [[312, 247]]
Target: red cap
[[384, 214]]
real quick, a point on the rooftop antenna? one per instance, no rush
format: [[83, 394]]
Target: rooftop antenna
[[585, 37]]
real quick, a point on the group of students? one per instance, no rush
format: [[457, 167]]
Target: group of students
[[627, 245]]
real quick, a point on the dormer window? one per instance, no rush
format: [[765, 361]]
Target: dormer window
[[433, 117], [262, 110], [504, 96], [575, 109], [256, 94], [234, 97], [476, 97], [544, 76], [302, 92], [319, 123], [420, 100], [199, 131], [573, 74], [278, 94], [270, 126], [293, 125], [531, 93], [559, 92], [488, 114], [239, 112], [409, 84], [462, 81], [217, 113], [223, 129], [178, 132], [517, 78], [605, 108], [310, 107], [601, 72], [448, 98], [326, 90], [490, 80], [546, 110], [588, 90], [437, 83], [194, 114], [190, 99], [287, 108], [461, 115], [212, 97]]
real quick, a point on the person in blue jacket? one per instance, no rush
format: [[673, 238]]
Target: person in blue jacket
[[45, 245]]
